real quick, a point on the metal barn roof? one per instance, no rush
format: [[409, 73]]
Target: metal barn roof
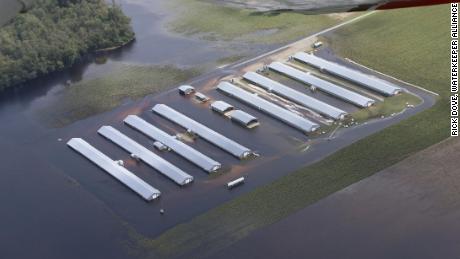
[[274, 110], [187, 152], [150, 158], [295, 96], [120, 173], [208, 134], [322, 84], [186, 89], [221, 107], [201, 97], [349, 74], [243, 117]]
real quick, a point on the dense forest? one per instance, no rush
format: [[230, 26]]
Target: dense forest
[[55, 34]]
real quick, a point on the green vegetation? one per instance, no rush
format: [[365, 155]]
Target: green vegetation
[[230, 59], [215, 22], [391, 105], [55, 34], [97, 95], [410, 44]]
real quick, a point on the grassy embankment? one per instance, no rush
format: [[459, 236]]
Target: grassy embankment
[[97, 95], [214, 22], [410, 44]]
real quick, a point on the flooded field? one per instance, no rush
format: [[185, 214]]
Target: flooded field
[[273, 140]]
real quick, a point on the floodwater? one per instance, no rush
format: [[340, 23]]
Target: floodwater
[[54, 202], [58, 202]]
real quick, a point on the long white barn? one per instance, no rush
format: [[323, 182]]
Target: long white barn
[[272, 109], [120, 173], [323, 85], [187, 152], [349, 74], [206, 133], [136, 150], [295, 96]]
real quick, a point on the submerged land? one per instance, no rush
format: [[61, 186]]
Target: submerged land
[[59, 111], [363, 42]]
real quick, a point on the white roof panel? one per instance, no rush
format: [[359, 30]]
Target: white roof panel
[[272, 109], [210, 135], [221, 106], [120, 173], [242, 117], [295, 96], [150, 158], [322, 84], [352, 75], [192, 155]]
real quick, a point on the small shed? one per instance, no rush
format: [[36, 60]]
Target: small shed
[[221, 107], [245, 119], [160, 146], [186, 89], [317, 44], [201, 97]]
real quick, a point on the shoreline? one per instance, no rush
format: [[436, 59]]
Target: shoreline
[[109, 49], [88, 57]]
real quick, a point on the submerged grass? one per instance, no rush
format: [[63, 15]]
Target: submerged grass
[[101, 94], [215, 22], [421, 58]]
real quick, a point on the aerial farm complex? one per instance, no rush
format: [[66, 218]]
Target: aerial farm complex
[[330, 94]]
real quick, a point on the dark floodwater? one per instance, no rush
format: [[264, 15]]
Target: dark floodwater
[[52, 204], [60, 205]]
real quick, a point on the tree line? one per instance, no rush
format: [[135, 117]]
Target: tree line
[[55, 34]]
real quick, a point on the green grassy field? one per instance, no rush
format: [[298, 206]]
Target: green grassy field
[[97, 95], [410, 44], [391, 105], [215, 22]]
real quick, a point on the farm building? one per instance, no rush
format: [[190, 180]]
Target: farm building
[[201, 97], [186, 89], [201, 130], [295, 96], [349, 74], [323, 85], [145, 155], [221, 107], [272, 109], [180, 148], [116, 170], [243, 118]]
